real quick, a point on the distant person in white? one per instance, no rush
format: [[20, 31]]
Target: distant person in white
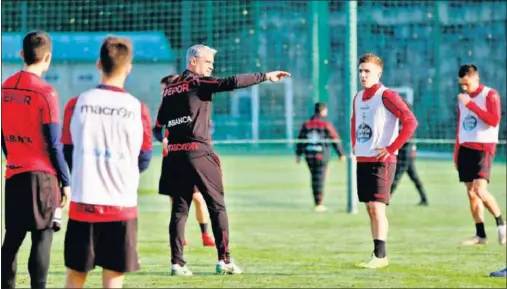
[[110, 131]]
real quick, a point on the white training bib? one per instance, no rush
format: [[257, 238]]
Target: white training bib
[[471, 127], [107, 133], [375, 127]]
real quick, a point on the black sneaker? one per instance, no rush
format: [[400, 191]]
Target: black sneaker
[[423, 203]]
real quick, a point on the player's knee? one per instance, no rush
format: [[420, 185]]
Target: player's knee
[[480, 189], [198, 198], [376, 210], [481, 193], [180, 211], [75, 279], [367, 207], [216, 207], [112, 279], [372, 210], [472, 195]]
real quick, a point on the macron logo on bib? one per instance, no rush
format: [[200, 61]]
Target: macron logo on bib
[[110, 111]]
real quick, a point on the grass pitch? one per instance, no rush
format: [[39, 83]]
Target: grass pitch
[[280, 242]]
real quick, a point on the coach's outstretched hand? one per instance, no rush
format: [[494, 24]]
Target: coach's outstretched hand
[[276, 76]]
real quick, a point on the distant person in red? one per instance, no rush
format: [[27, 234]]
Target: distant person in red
[[317, 132], [36, 167]]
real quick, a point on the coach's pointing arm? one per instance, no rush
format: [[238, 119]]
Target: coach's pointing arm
[[219, 84]]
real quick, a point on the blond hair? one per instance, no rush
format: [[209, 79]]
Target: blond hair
[[371, 58]]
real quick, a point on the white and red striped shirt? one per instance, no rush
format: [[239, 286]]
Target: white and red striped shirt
[[376, 111], [109, 128], [478, 121]]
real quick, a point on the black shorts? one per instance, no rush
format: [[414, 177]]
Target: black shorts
[[183, 173], [374, 181], [31, 199], [110, 245], [473, 164]]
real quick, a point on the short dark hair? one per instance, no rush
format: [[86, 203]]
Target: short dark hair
[[168, 79], [36, 45], [319, 107], [115, 53], [467, 69]]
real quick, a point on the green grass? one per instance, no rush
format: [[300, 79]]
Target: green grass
[[280, 242]]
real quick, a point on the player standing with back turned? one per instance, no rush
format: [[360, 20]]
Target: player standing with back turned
[[376, 139], [191, 161], [110, 131], [35, 164], [479, 116]]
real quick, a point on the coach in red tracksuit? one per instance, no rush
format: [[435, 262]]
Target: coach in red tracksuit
[[316, 135]]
